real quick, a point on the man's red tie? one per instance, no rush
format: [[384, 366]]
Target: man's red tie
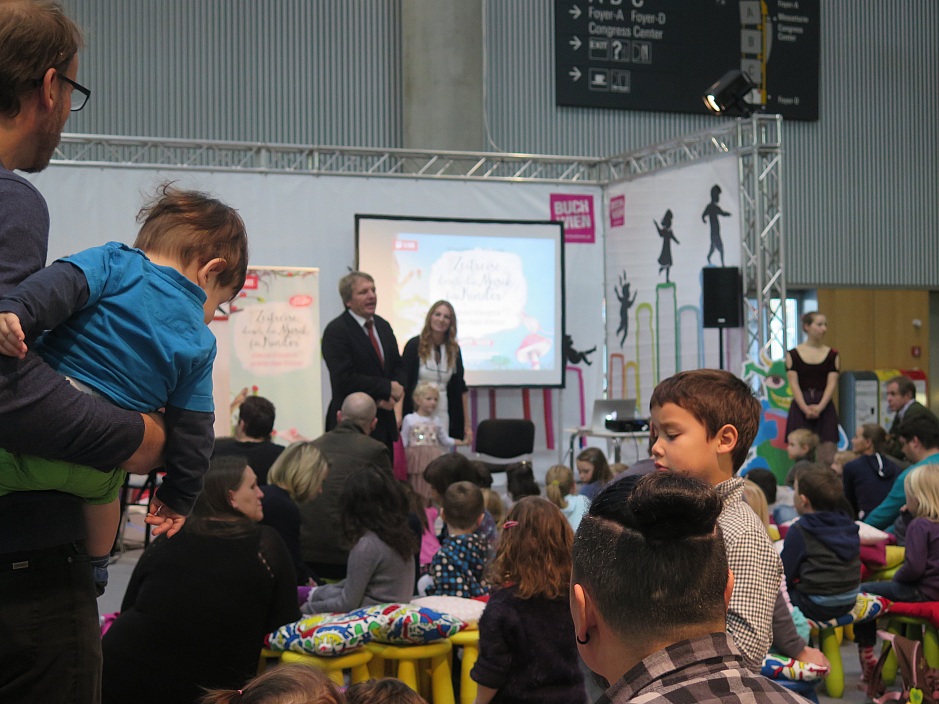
[[370, 326]]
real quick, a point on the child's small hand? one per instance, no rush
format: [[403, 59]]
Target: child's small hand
[[163, 519], [12, 336]]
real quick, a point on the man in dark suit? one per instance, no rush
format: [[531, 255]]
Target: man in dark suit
[[348, 449], [901, 400], [361, 353]]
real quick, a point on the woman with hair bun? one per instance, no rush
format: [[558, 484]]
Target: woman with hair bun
[[812, 368]]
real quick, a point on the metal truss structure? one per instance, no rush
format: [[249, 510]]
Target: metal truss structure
[[250, 157], [756, 142]]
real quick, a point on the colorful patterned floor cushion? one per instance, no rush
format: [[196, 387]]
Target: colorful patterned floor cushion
[[779, 667], [867, 607], [468, 611], [409, 624], [324, 634], [329, 635], [928, 610]]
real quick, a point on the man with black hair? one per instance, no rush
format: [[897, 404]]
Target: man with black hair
[[649, 595], [919, 441], [253, 436], [901, 400]]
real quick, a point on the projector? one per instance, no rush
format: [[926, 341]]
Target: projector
[[626, 425]]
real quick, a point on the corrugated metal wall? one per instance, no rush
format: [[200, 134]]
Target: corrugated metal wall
[[861, 184], [293, 71]]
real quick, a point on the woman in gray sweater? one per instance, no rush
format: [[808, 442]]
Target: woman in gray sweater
[[381, 562]]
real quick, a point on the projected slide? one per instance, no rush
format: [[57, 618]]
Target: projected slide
[[503, 278]]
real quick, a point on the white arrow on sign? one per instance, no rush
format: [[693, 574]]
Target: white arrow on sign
[[575, 11], [576, 43], [574, 73]]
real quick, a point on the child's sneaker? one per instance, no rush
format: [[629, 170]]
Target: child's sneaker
[[868, 661]]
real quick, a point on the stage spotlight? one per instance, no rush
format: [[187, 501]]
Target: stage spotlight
[[726, 97]]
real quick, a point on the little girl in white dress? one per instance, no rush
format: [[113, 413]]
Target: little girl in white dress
[[424, 437]]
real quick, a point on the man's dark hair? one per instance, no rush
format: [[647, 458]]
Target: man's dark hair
[[463, 504], [924, 428], [766, 480], [652, 558], [257, 413], [823, 488], [905, 385], [715, 398], [448, 469]]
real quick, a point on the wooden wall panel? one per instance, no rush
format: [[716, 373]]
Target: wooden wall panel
[[850, 325], [873, 328]]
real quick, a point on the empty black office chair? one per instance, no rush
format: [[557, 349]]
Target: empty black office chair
[[508, 440]]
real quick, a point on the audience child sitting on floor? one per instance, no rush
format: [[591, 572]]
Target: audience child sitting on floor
[[285, 684], [384, 691], [594, 472], [801, 446], [458, 567], [520, 481], [918, 577], [842, 457], [562, 492], [821, 552], [526, 635], [452, 468], [374, 515]]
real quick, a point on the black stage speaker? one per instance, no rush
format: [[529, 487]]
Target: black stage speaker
[[722, 296]]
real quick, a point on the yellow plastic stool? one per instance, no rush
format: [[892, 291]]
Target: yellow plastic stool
[[406, 658], [264, 661], [356, 661], [914, 628], [469, 641]]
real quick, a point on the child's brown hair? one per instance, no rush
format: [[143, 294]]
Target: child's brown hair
[[194, 227], [534, 551], [596, 459], [383, 691], [463, 504], [286, 684], [715, 398]]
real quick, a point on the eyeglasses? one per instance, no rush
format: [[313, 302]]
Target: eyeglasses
[[85, 92], [77, 104]]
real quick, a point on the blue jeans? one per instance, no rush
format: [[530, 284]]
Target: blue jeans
[[865, 633]]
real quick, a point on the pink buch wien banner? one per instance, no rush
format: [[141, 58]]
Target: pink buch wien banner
[[269, 345], [577, 214]]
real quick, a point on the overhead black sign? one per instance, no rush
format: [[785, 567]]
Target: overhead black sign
[[662, 55]]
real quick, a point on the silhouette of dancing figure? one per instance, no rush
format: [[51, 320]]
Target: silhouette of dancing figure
[[574, 356], [665, 232], [712, 211], [625, 303]]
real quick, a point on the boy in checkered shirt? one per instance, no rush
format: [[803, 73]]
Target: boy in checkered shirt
[[704, 422], [458, 567]]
